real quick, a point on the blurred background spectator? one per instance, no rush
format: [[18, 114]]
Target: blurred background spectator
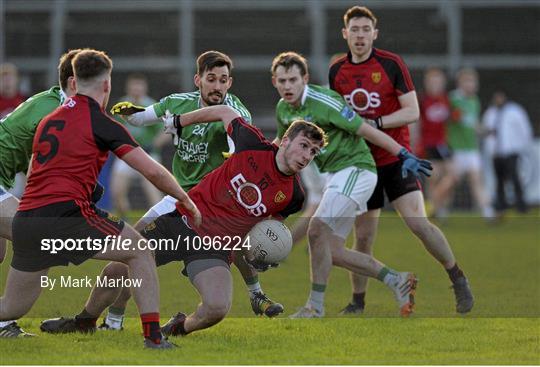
[[463, 130], [432, 142], [508, 135], [10, 96], [150, 138]]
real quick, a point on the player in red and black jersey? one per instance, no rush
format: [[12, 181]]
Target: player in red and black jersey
[[377, 84], [434, 115], [69, 149], [258, 181]]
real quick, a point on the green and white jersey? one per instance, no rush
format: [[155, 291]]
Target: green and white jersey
[[328, 110], [200, 147], [17, 132], [465, 117]]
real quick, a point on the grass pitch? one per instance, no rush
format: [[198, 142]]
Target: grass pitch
[[502, 263]]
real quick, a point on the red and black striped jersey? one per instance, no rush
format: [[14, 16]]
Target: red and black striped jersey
[[70, 147], [372, 88], [434, 114], [247, 188]]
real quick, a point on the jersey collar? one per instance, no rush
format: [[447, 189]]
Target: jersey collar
[[349, 57], [304, 95], [63, 96]]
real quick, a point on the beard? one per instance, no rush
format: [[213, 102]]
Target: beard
[[210, 102]]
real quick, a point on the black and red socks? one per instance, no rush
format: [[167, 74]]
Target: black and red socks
[[151, 328]]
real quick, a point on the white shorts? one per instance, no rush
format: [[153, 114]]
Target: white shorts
[[166, 205], [314, 182], [466, 161], [347, 193], [4, 194]]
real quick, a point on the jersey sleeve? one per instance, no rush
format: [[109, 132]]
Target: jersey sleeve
[[399, 74], [112, 135], [171, 102], [234, 102], [247, 137], [32, 111], [343, 117], [404, 82], [297, 201], [332, 72]]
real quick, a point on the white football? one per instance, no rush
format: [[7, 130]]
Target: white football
[[270, 241]]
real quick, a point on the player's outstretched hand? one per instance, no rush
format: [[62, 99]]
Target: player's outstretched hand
[[411, 163], [190, 206], [126, 109]]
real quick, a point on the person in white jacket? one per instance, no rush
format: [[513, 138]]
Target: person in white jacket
[[508, 134]]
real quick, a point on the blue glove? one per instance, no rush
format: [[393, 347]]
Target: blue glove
[[411, 163]]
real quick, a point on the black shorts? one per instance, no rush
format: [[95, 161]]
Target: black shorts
[[389, 181], [171, 226], [438, 153], [68, 221]]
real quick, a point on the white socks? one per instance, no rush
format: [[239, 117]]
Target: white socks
[[254, 288], [316, 300]]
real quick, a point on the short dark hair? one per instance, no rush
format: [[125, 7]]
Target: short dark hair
[[288, 60], [309, 129], [211, 59], [359, 12], [65, 70], [89, 64]]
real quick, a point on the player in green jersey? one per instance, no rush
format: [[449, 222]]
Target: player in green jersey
[[16, 135], [463, 137], [199, 150], [351, 180]]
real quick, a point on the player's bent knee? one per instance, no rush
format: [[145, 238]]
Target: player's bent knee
[[338, 255], [115, 270], [216, 311], [140, 256], [314, 231], [364, 243]]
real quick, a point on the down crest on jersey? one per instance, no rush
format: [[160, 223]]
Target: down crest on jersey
[[247, 188]]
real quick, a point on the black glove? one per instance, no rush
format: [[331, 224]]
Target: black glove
[[171, 124], [411, 163], [261, 266], [97, 194]]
